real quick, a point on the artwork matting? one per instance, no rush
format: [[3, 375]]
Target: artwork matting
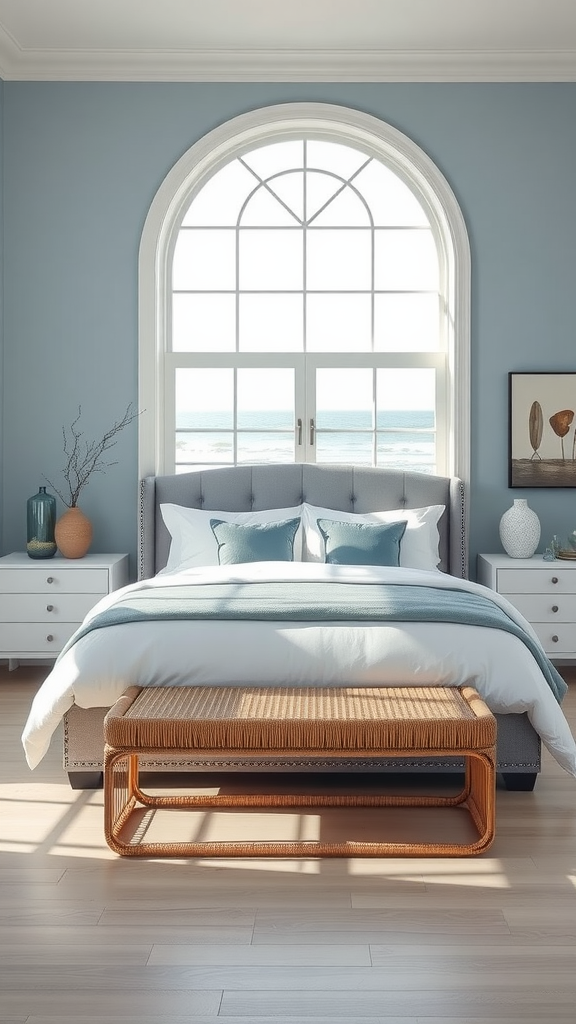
[[542, 429]]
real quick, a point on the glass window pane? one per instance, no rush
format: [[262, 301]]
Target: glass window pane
[[266, 415], [320, 190], [405, 419], [335, 156], [275, 157], [264, 209], [339, 259], [391, 202], [265, 447], [344, 397], [204, 449], [266, 398], [405, 389], [204, 260], [203, 323], [338, 323], [346, 209], [406, 323], [219, 201], [271, 323], [289, 188], [271, 260], [404, 450], [356, 449], [205, 398], [406, 260]]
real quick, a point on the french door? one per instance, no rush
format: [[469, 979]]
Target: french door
[[234, 409]]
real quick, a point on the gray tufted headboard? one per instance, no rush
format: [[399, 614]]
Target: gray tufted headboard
[[346, 488]]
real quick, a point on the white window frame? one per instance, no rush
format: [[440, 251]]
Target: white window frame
[[237, 136]]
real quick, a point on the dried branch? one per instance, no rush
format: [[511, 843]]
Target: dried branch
[[86, 457]]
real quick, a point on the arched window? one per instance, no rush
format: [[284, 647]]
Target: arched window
[[304, 296]]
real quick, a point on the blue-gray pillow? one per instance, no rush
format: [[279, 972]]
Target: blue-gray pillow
[[362, 543], [262, 542]]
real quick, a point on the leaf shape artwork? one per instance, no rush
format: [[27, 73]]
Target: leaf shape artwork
[[535, 427], [561, 423]]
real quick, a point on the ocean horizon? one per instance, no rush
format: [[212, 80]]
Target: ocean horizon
[[404, 438]]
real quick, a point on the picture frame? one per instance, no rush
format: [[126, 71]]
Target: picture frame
[[542, 429]]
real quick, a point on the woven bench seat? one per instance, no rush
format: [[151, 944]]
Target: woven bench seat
[[310, 722]]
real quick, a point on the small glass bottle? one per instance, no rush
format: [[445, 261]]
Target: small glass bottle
[[41, 519]]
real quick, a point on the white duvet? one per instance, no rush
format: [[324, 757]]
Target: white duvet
[[99, 666]]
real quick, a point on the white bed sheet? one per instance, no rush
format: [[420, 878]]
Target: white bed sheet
[[99, 667]]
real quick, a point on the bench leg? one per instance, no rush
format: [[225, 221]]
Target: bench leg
[[123, 796]]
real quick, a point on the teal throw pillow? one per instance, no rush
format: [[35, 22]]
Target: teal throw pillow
[[265, 542], [362, 543]]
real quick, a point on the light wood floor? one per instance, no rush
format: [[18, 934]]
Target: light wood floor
[[88, 937]]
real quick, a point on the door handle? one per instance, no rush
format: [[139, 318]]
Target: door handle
[[312, 431], [299, 429]]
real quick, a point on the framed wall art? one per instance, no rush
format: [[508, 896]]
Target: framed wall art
[[542, 427]]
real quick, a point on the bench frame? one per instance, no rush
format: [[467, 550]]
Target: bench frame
[[124, 798]]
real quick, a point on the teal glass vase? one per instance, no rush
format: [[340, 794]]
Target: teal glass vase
[[41, 520]]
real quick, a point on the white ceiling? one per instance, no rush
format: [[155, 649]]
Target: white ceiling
[[288, 40]]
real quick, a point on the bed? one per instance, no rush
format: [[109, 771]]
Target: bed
[[291, 647]]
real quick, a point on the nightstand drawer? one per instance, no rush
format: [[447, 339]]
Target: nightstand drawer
[[545, 607], [557, 639], [51, 608], [550, 580], [43, 602], [49, 581], [35, 637]]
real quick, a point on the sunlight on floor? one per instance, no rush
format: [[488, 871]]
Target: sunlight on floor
[[63, 822]]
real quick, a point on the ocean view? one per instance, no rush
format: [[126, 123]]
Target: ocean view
[[404, 438]]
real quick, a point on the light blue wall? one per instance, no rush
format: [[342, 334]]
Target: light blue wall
[[2, 431], [82, 163]]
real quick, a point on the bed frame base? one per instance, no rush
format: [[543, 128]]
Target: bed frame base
[[86, 780], [520, 782], [515, 782]]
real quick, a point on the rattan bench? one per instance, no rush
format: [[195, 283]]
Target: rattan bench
[[309, 722]]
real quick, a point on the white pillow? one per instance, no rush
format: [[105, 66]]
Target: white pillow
[[418, 547], [193, 542]]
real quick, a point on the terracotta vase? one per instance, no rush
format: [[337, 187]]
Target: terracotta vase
[[73, 533]]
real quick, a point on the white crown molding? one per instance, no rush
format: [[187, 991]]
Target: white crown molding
[[276, 65]]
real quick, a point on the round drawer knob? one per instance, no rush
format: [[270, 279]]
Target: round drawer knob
[[49, 638], [554, 639], [554, 607], [554, 579], [50, 579], [50, 608]]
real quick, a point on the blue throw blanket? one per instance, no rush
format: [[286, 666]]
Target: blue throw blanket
[[312, 601]]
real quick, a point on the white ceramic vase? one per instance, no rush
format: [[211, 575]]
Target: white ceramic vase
[[520, 530]]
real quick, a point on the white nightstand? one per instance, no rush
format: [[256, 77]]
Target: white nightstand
[[545, 593], [42, 601]]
